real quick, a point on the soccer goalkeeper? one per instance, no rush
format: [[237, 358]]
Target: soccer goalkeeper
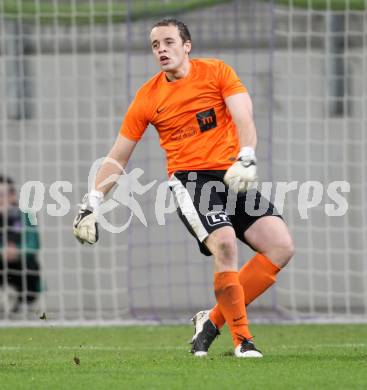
[[203, 115]]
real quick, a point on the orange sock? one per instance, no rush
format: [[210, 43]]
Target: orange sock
[[231, 301], [256, 276]]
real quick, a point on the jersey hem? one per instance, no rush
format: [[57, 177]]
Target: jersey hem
[[130, 137], [216, 168]]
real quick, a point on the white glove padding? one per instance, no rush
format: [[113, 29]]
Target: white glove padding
[[242, 173], [85, 226]]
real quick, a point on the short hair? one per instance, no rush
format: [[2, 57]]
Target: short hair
[[9, 181], [181, 26]]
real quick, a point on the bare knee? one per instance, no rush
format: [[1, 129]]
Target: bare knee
[[282, 252], [270, 236], [224, 248], [226, 255], [288, 250]]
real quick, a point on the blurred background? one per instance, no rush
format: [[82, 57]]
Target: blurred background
[[68, 70]]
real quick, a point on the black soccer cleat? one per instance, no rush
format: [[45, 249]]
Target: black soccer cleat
[[205, 333], [247, 349]]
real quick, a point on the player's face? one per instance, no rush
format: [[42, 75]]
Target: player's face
[[168, 48]]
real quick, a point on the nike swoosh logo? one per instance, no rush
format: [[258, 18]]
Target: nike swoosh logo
[[249, 164], [159, 110], [237, 319]]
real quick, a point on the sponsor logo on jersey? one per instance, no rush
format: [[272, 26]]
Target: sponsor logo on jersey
[[207, 119]]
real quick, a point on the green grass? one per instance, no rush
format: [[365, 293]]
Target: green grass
[[335, 5], [102, 12], [96, 12], [295, 357]]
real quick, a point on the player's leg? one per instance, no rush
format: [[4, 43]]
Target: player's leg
[[222, 243], [187, 198], [215, 235], [270, 238], [228, 290]]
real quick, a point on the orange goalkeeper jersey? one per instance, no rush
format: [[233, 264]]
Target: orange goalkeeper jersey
[[194, 126]]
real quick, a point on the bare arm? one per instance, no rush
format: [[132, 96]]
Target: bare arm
[[113, 165], [240, 108], [242, 173], [85, 226]]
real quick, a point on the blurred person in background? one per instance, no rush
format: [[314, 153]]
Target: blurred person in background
[[19, 247]]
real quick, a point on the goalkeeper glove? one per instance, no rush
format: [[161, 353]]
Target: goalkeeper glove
[[242, 173], [85, 224]]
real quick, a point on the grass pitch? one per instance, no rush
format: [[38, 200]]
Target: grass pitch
[[295, 357]]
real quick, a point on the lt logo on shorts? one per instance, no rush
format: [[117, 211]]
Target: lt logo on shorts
[[207, 119], [217, 217]]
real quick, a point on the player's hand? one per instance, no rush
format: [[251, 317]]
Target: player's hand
[[85, 224], [242, 173]]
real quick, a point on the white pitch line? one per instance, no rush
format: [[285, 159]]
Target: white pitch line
[[86, 348], [313, 346], [136, 347]]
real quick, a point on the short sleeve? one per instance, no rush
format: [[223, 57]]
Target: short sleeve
[[135, 121], [229, 82]]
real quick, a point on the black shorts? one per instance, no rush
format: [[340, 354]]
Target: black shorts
[[205, 204]]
